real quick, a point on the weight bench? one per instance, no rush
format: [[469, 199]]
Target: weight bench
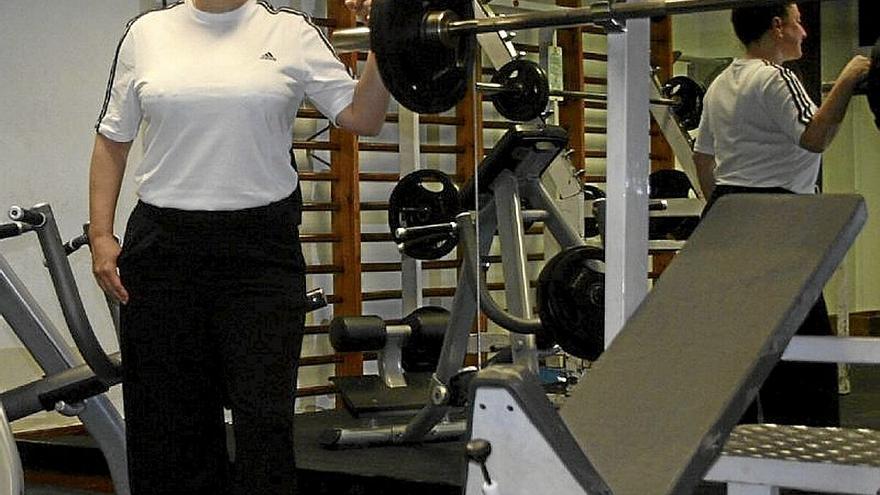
[[652, 415]]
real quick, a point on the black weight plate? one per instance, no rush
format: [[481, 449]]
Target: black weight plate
[[424, 76], [874, 83], [571, 301], [528, 90], [689, 94], [424, 197]]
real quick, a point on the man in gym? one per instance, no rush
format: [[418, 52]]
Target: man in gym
[[761, 133]]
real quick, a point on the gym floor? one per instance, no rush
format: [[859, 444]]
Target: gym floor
[[73, 466]]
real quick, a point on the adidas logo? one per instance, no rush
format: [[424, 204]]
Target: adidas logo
[[268, 56]]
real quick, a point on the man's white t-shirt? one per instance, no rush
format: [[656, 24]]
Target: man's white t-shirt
[[754, 113], [218, 95]]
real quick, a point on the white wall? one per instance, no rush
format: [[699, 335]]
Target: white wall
[[54, 65]]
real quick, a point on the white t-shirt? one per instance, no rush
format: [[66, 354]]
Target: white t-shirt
[[218, 94], [754, 114]]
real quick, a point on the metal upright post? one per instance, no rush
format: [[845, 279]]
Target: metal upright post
[[410, 158], [626, 237]]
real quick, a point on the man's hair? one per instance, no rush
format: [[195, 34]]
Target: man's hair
[[750, 23]]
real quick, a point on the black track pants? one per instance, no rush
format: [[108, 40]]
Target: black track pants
[[215, 319]]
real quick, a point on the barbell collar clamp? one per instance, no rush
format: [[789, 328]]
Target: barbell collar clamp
[[436, 27]]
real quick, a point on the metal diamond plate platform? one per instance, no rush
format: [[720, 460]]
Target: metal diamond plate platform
[[849, 446]]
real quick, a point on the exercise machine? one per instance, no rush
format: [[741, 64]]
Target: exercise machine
[[508, 177], [47, 346], [655, 410]]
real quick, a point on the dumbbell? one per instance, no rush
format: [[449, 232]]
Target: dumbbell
[[413, 345]]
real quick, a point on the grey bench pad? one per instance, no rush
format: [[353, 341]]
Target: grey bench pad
[[655, 410]]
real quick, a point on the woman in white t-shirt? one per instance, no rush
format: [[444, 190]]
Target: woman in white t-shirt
[[761, 133], [211, 275]]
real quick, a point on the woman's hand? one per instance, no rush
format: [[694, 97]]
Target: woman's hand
[[105, 251], [361, 8]]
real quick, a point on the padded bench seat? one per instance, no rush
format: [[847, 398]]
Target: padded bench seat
[[757, 459]]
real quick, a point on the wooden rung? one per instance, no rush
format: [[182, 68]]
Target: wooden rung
[[321, 269], [309, 113], [431, 119], [314, 145], [316, 390], [385, 295], [395, 267], [604, 154], [497, 124], [598, 179], [389, 177], [312, 113], [319, 206], [319, 360], [375, 237], [378, 177], [374, 205], [324, 237], [317, 329], [424, 148], [318, 176]]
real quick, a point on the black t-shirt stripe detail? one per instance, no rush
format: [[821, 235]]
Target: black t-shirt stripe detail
[[116, 60]]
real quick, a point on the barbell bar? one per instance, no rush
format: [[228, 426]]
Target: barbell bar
[[425, 49], [495, 88]]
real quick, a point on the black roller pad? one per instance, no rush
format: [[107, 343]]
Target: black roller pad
[[656, 408]]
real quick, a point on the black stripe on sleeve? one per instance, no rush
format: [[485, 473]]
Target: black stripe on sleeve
[[798, 93], [128, 26], [308, 19]]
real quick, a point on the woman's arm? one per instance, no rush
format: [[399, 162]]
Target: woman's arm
[[822, 129], [366, 114], [105, 181]]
